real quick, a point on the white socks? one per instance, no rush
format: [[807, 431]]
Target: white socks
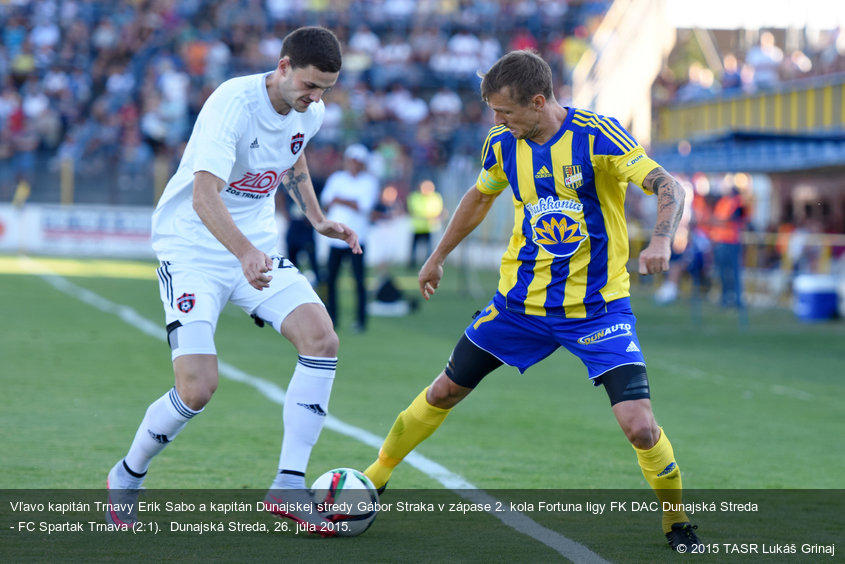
[[305, 410], [304, 413], [164, 419]]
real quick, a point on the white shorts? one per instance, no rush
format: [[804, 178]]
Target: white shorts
[[195, 291]]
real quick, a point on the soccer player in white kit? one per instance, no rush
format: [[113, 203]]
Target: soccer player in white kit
[[215, 234]]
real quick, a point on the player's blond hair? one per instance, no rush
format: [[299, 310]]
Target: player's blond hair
[[524, 72]]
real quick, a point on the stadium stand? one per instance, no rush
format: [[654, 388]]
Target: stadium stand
[[110, 89], [97, 98]]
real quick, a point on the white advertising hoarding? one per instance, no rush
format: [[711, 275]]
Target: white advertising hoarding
[[76, 230]]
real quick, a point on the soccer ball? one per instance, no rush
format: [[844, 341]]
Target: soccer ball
[[346, 498]]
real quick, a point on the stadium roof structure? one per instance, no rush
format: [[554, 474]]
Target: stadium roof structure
[[750, 151]]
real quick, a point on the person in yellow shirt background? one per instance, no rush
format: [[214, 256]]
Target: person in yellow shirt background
[[425, 207]]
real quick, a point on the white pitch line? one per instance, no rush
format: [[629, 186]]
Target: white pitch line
[[516, 520]]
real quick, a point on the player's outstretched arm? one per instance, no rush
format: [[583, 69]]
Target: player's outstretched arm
[[213, 212], [471, 211], [297, 183], [670, 207]]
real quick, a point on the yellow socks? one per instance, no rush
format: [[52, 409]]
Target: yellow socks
[[662, 473], [411, 427]]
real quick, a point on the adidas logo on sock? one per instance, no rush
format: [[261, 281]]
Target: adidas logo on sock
[[668, 470], [158, 438], [254, 144], [632, 347], [314, 408]]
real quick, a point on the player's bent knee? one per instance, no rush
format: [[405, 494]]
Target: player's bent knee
[[444, 393], [195, 392], [324, 344], [642, 434], [196, 398], [310, 329], [330, 343], [196, 379]]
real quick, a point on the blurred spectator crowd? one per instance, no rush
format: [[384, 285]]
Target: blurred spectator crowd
[[114, 86], [762, 65]]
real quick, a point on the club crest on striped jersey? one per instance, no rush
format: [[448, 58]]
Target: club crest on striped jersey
[[186, 302], [572, 176], [296, 142]]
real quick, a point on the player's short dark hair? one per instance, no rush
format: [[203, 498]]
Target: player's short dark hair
[[312, 46], [524, 72]]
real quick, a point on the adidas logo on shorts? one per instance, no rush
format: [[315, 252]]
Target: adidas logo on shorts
[[632, 347]]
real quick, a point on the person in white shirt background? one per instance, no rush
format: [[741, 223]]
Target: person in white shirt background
[[349, 197]]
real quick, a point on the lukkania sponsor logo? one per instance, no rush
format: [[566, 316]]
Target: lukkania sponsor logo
[[550, 204]]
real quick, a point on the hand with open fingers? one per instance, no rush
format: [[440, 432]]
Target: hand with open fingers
[[256, 265], [337, 230], [655, 257], [429, 278]]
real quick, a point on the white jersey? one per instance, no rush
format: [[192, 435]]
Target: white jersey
[[240, 138]]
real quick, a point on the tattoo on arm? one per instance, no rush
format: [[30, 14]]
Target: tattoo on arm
[[670, 201], [291, 184]]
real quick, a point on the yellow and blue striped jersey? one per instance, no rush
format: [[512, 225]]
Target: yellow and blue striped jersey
[[568, 252]]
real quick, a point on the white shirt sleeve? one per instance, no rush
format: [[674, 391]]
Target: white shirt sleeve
[[218, 129]]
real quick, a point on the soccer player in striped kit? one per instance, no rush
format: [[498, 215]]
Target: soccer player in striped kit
[[563, 279], [215, 234]]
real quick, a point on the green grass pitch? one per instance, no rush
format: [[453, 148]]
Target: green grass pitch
[[746, 408]]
